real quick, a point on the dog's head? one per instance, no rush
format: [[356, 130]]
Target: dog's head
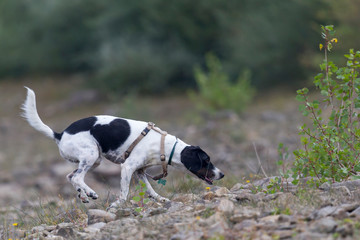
[[198, 162]]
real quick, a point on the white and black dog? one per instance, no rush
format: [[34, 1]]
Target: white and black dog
[[88, 141]]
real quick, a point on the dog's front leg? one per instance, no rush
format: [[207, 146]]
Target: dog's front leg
[[126, 173], [150, 191]]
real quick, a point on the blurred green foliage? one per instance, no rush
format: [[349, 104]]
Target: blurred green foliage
[[217, 92], [152, 45]]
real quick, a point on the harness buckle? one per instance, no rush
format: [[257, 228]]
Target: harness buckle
[[162, 157]]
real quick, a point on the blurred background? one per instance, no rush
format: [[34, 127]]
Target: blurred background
[[219, 74]]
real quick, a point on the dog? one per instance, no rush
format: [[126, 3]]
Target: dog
[[90, 140]]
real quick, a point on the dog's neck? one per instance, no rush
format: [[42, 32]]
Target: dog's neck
[[169, 144]]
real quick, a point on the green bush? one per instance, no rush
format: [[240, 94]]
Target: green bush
[[217, 92], [331, 145]]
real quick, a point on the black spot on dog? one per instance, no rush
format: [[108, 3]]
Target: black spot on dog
[[111, 136], [58, 136], [81, 125], [197, 162]]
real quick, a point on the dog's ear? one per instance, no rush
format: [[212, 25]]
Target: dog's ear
[[203, 156], [190, 158]]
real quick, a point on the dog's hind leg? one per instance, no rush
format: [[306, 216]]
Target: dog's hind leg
[[76, 178], [150, 191]]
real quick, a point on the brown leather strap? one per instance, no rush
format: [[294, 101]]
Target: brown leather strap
[[127, 153]]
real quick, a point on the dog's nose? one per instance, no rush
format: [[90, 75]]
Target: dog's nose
[[221, 175]]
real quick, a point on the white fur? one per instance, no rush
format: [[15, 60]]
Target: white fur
[[31, 115]]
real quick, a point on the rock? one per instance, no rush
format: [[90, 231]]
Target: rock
[[237, 187], [283, 234], [325, 186], [344, 210], [66, 230], [125, 228], [244, 197], [345, 230], [351, 185], [188, 235], [226, 206], [221, 192], [97, 226], [246, 225], [270, 219], [157, 211], [323, 212], [186, 198], [97, 215], [209, 196], [122, 212], [324, 225], [245, 213], [341, 191], [355, 213], [311, 235]]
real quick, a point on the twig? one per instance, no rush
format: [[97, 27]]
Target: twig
[[258, 158]]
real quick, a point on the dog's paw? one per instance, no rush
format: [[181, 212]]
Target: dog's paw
[[163, 200], [92, 195], [82, 195]]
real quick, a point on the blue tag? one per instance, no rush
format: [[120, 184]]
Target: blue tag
[[161, 181]]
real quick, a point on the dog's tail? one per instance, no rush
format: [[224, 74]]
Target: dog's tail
[[31, 115]]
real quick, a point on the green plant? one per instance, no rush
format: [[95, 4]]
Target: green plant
[[331, 146], [217, 92], [281, 183], [140, 199]]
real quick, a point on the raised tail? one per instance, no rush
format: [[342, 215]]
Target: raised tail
[[31, 115]]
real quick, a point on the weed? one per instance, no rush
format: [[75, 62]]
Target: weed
[[208, 212], [140, 198]]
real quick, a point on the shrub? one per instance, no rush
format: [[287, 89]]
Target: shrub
[[217, 92], [331, 146]]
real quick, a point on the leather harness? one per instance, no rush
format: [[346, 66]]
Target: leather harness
[[151, 126]]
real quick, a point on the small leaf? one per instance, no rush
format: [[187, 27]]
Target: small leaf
[[146, 200], [141, 193], [138, 209], [136, 198]]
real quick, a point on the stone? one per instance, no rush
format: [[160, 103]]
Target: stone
[[157, 211], [221, 192], [66, 232], [237, 187], [323, 212], [283, 234], [97, 215], [186, 198], [341, 191], [269, 219], [125, 228], [325, 186], [97, 226], [311, 235], [351, 185], [226, 206], [209, 196], [244, 197], [122, 212], [355, 213], [243, 214], [246, 224], [324, 225]]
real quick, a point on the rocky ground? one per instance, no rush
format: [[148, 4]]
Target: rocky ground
[[331, 212]]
